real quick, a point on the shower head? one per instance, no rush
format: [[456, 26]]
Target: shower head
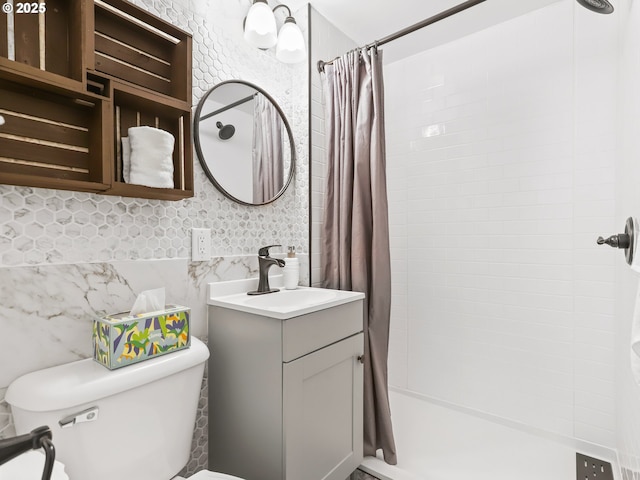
[[598, 6], [226, 131]]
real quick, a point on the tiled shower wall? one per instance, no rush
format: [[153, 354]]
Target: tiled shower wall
[[66, 256], [327, 42], [501, 164], [628, 204]]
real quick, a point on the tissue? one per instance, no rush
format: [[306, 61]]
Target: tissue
[[148, 301]]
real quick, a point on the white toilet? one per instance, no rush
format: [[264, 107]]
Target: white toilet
[[135, 422]]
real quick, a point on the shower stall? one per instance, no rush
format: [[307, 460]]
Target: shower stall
[[509, 151]]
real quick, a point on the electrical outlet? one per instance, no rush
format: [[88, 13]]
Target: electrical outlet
[[200, 244], [589, 468]]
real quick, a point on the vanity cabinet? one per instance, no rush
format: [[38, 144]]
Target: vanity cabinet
[[285, 395]]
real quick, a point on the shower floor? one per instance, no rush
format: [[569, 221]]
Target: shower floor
[[435, 442]]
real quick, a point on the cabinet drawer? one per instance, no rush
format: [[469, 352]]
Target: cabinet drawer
[[308, 333]]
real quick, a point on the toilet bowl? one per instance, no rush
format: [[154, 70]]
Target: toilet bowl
[[106, 424], [30, 465]]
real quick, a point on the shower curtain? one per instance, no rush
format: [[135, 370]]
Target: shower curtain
[[356, 227], [268, 162]]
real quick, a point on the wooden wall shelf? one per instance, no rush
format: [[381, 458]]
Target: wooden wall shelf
[[69, 92]]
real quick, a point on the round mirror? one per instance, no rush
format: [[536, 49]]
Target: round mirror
[[244, 142]]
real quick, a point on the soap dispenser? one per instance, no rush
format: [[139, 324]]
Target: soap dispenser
[[291, 270]]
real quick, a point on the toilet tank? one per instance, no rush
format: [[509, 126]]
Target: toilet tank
[[145, 414]]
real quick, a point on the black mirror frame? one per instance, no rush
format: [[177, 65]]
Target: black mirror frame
[[203, 163]]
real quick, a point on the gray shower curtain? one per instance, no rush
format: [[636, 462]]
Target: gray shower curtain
[[268, 161], [356, 228]]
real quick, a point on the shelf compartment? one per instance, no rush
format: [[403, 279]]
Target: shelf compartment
[[132, 45], [71, 75], [134, 108], [52, 140], [50, 41], [98, 85]]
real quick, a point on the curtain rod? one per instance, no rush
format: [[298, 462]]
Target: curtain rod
[[228, 107], [405, 31]]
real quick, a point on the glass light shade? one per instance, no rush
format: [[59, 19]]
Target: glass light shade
[[260, 26], [290, 47]]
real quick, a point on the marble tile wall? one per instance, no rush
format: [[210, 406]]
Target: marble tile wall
[[46, 311], [68, 256]]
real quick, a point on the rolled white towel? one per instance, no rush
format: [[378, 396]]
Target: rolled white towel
[[151, 157], [126, 160], [29, 466]]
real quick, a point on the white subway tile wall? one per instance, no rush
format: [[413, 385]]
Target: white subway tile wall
[[326, 43], [627, 201], [498, 186]]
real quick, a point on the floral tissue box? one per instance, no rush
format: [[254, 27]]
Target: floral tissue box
[[121, 339]]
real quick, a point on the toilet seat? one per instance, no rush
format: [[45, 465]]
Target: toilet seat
[[207, 475]]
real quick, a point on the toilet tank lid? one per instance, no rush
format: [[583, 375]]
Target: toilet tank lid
[[207, 475], [86, 381]]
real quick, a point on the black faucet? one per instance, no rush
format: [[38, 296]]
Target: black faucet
[[38, 438], [264, 263]]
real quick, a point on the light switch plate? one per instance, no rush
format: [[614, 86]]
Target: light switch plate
[[200, 244]]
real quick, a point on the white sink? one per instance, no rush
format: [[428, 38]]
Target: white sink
[[282, 305]]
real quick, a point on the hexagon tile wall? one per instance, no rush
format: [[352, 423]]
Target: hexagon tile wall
[[67, 256]]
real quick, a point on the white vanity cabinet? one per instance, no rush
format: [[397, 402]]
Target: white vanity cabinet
[[285, 394]]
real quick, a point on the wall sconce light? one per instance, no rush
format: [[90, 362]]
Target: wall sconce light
[[260, 30]]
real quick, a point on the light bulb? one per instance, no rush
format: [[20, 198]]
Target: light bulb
[[290, 47], [260, 26]]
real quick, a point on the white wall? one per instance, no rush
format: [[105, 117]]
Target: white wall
[[327, 42], [231, 160], [501, 149], [627, 204]]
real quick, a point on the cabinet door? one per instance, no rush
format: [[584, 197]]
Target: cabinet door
[[322, 409]]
